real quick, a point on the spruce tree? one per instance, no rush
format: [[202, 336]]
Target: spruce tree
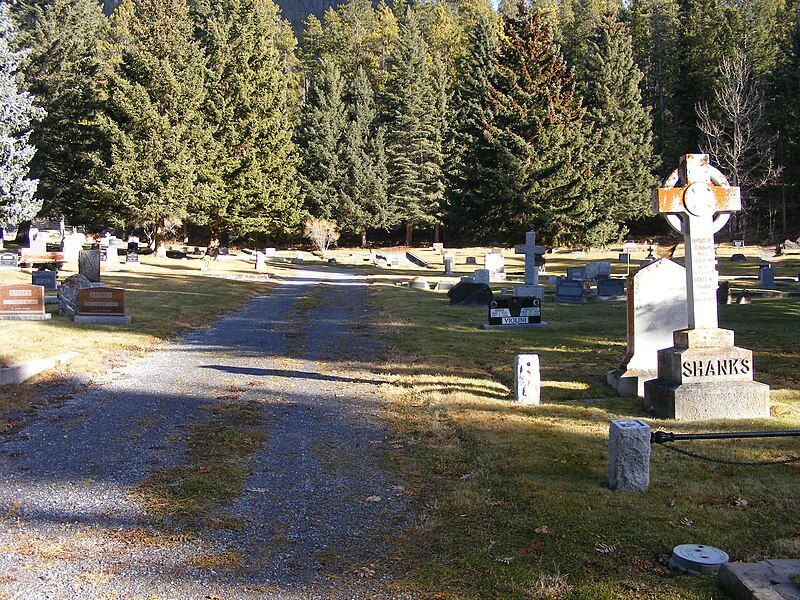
[[623, 157], [153, 114], [414, 136], [62, 72], [320, 138], [540, 138], [17, 192], [250, 175], [471, 164], [364, 199]]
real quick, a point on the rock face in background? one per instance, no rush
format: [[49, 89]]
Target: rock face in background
[[294, 11]]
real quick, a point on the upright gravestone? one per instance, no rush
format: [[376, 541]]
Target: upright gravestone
[[576, 273], [766, 277], [513, 311], [527, 383], [534, 258], [101, 305], [261, 261], [570, 291], [9, 260], [597, 270], [703, 375], [45, 278], [71, 246], [611, 289], [482, 276], [656, 308], [89, 265], [22, 302], [496, 265], [449, 263]]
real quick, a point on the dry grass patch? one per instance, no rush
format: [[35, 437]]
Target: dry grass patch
[[513, 500]]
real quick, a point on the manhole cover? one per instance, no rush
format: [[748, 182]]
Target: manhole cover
[[697, 559]]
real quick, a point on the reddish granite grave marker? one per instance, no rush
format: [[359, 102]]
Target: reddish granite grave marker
[[22, 301]]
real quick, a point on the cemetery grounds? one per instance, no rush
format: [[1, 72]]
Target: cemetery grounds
[[510, 501]]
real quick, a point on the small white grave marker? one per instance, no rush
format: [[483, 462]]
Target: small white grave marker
[[527, 382]]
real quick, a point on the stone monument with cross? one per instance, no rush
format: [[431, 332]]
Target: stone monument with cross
[[534, 258], [703, 375]]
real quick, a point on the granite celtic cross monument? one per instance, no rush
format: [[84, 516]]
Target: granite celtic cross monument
[[703, 375]]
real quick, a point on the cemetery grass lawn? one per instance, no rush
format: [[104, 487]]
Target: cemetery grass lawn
[[164, 299], [513, 500]]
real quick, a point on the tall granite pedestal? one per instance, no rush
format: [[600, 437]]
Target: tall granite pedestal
[[705, 376]]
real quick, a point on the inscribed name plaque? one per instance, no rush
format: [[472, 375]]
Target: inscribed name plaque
[[101, 301], [515, 311], [22, 302]]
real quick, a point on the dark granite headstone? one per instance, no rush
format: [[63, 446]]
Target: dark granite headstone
[[89, 265], [611, 288], [513, 310], [45, 278], [570, 291], [576, 273], [466, 293], [471, 260]]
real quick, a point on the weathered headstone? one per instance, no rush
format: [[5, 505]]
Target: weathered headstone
[[570, 291], [449, 263], [482, 276], [261, 261], [766, 277], [471, 260], [495, 264], [45, 278], [68, 293], [419, 283], [437, 247], [527, 382], [9, 260], [738, 243], [72, 245], [470, 293], [703, 375], [534, 258], [656, 308], [22, 302], [513, 311], [417, 261], [611, 289], [629, 456], [89, 265], [624, 258], [101, 305], [597, 270]]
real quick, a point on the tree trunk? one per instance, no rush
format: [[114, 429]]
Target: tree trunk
[[213, 243], [409, 233], [160, 247], [364, 238], [437, 233]]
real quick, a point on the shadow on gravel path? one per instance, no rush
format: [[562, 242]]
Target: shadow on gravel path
[[317, 513]]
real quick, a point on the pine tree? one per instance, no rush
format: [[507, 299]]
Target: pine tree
[[623, 157], [364, 199], [787, 112], [17, 201], [153, 114], [471, 164], [540, 139], [414, 136], [320, 138], [62, 73], [251, 173]]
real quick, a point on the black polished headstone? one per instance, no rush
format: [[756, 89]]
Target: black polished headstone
[[513, 310]]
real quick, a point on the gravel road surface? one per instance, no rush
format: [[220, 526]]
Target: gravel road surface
[[317, 515]]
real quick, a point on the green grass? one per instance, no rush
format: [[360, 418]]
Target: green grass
[[514, 501]]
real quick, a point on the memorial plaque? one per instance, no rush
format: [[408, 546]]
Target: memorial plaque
[[21, 299], [47, 279], [101, 301], [515, 311]]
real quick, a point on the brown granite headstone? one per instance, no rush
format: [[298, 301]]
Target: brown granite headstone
[[101, 301], [21, 299]]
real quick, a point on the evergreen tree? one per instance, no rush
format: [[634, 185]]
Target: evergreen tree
[[364, 199], [17, 201], [414, 136], [62, 72], [655, 29], [320, 139], [540, 138], [251, 174], [623, 152], [153, 114], [471, 164], [787, 112]]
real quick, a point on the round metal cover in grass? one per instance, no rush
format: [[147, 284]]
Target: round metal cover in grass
[[697, 559]]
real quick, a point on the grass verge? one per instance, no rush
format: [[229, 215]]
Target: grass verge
[[513, 499]]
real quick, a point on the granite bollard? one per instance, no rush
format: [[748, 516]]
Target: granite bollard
[[629, 455]]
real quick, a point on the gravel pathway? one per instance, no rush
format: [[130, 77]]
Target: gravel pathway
[[317, 514]]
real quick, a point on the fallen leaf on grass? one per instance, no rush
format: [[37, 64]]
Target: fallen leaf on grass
[[737, 502], [604, 548], [506, 560], [542, 529], [531, 548], [686, 522], [204, 469], [364, 572], [643, 564]]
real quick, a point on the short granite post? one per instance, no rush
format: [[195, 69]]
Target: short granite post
[[629, 455], [527, 386]]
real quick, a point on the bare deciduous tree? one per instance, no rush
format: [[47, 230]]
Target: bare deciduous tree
[[736, 133], [321, 233]]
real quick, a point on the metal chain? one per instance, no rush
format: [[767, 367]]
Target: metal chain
[[743, 463]]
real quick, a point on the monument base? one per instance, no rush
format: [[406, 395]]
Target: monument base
[[628, 382], [541, 325], [103, 319], [707, 400], [36, 317]]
